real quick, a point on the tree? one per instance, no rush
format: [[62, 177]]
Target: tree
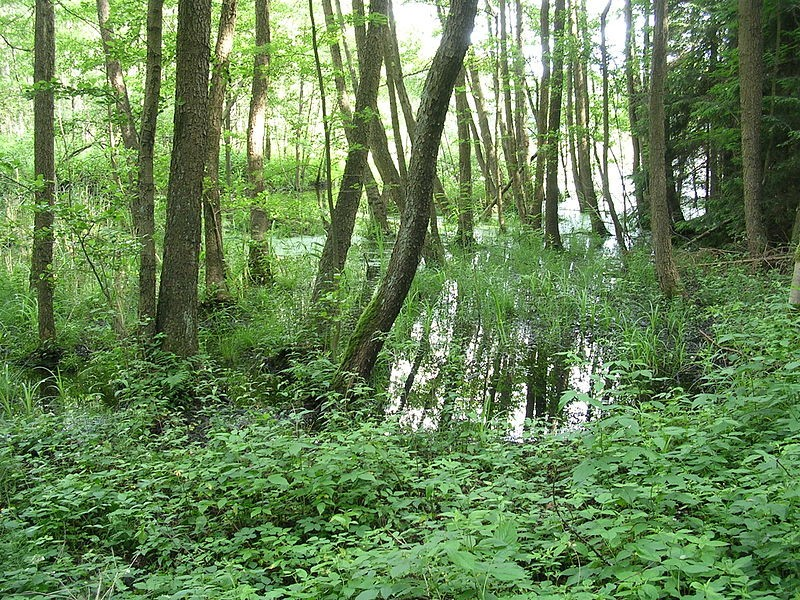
[[145, 208], [662, 230], [618, 232], [464, 233], [379, 315], [216, 284], [751, 75], [44, 70], [552, 233], [337, 243], [177, 299], [260, 223]]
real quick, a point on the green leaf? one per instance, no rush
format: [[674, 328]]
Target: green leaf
[[368, 595], [278, 480]]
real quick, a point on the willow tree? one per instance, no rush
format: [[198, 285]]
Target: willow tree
[[380, 314], [552, 233]]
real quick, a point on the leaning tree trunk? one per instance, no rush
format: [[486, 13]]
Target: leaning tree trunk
[[177, 299], [662, 230], [380, 314], [146, 188], [260, 223], [751, 75], [216, 284], [44, 71], [337, 244], [552, 233]]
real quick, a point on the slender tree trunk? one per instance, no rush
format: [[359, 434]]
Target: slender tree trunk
[[337, 243], [216, 284], [130, 138], [618, 232], [631, 82], [44, 72], [521, 117], [380, 314], [542, 134], [662, 242], [260, 223], [794, 292], [751, 77], [146, 186], [177, 299], [552, 233], [583, 129], [509, 142], [485, 135], [464, 233]]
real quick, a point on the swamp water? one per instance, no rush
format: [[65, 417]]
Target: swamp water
[[500, 335]]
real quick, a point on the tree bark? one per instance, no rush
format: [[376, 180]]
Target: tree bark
[[146, 186], [666, 272], [130, 138], [618, 232], [337, 243], [44, 72], [794, 291], [751, 76], [631, 82], [552, 233], [380, 314], [177, 300], [216, 283], [485, 136], [260, 223], [465, 232], [509, 142], [543, 110], [521, 118]]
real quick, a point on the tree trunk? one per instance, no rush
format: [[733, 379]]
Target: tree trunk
[[380, 314], [662, 242], [44, 72], [337, 243], [794, 292], [216, 284], [583, 127], [509, 142], [543, 110], [260, 223], [146, 186], [751, 75], [464, 233], [552, 233], [618, 232], [485, 136], [177, 299], [631, 82], [130, 139], [521, 117]]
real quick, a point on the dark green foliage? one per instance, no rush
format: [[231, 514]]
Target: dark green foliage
[[178, 493]]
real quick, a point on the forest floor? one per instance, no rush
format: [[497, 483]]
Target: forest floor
[[199, 479]]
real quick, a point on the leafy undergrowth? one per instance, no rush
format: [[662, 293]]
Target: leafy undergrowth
[[681, 496]]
